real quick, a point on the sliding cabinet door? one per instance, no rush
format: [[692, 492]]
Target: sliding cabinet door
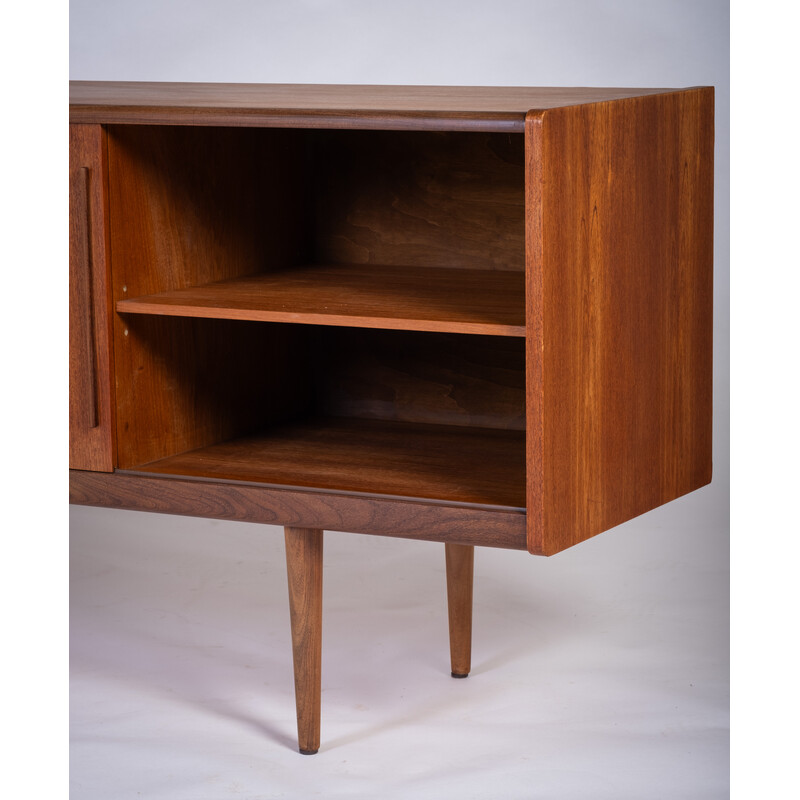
[[91, 423]]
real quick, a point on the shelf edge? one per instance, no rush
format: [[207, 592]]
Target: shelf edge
[[135, 306]]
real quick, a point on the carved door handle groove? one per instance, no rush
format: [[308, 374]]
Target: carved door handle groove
[[82, 178]]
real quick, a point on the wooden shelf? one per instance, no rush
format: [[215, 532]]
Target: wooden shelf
[[447, 463], [364, 295]]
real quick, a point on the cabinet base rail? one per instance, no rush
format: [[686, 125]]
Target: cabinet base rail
[[302, 508]]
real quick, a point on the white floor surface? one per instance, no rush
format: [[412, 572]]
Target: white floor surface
[[599, 673]]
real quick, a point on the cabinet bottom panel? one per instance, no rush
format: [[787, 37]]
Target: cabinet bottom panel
[[444, 463]]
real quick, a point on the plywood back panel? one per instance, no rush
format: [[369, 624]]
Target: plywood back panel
[[420, 199], [445, 379]]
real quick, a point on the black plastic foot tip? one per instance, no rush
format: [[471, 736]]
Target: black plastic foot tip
[[459, 674], [309, 752]]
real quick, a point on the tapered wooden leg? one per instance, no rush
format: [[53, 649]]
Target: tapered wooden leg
[[304, 567], [459, 559]]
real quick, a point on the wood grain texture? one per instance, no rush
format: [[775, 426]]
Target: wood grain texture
[[620, 214], [189, 383], [419, 199], [457, 108], [91, 418], [189, 207], [364, 296], [440, 379], [459, 560], [447, 463], [329, 511], [304, 571], [192, 206]]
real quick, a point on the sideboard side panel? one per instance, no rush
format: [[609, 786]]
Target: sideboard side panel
[[619, 290], [91, 418]]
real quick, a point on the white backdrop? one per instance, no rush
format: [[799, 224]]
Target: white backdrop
[[601, 672]]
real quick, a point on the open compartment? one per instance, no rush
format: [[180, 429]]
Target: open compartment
[[427, 416], [336, 310], [388, 229]]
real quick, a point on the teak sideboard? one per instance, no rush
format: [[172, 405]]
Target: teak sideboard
[[477, 316]]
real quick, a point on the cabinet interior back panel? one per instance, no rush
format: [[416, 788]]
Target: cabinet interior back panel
[[432, 378], [420, 199]]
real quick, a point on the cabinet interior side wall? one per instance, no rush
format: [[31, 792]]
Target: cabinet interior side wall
[[189, 206]]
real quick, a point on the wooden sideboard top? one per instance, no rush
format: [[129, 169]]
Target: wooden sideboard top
[[481, 108]]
